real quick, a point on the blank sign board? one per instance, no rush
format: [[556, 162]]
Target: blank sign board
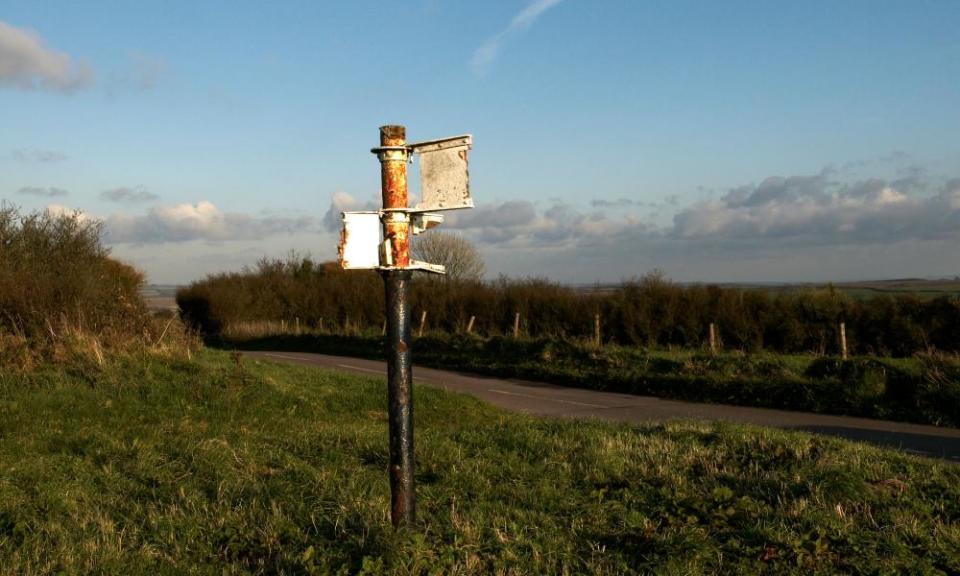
[[360, 240], [444, 178]]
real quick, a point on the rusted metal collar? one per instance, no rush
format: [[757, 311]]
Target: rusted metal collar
[[392, 153]]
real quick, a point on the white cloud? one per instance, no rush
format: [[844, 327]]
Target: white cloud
[[517, 223], [61, 210], [343, 202], [484, 56], [200, 221], [26, 64]]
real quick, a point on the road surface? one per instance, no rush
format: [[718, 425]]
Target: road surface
[[559, 401]]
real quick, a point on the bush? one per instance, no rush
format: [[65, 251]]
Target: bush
[[938, 393], [649, 312], [61, 295]]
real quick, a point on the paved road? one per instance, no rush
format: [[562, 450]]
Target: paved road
[[558, 401]]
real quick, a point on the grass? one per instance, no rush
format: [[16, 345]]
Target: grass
[[924, 389], [221, 465]]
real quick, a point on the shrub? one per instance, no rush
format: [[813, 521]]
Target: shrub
[[649, 311], [61, 295]]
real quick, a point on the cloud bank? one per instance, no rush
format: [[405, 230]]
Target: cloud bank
[[138, 194], [519, 224], [26, 64], [784, 214], [48, 192], [200, 221], [808, 227], [343, 202], [805, 210]]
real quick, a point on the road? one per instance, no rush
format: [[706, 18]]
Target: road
[[557, 401]]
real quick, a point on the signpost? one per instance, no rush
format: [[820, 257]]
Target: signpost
[[381, 240]]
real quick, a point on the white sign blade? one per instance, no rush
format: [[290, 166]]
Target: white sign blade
[[360, 240], [444, 176]]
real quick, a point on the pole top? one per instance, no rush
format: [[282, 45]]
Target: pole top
[[392, 135]]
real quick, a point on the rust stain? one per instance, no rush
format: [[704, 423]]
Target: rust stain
[[393, 180], [393, 135], [398, 233], [341, 246], [401, 346]]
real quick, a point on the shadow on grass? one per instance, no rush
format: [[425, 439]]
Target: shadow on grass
[[945, 447], [333, 344]]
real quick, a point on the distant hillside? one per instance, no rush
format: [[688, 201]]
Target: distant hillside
[[920, 287]]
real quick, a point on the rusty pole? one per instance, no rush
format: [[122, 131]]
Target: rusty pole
[[393, 176]]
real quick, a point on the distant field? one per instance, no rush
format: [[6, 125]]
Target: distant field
[[160, 296], [913, 286], [222, 465], [919, 287]]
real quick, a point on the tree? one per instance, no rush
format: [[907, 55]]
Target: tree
[[456, 253]]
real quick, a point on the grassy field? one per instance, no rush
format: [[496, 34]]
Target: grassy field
[[222, 465], [160, 297], [923, 289], [924, 389]]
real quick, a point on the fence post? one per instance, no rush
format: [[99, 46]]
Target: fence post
[[470, 325], [713, 339], [516, 325], [597, 340], [423, 323], [843, 340]]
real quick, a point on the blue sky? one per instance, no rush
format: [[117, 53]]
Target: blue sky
[[716, 141]]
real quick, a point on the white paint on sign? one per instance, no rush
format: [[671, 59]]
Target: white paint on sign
[[360, 240], [423, 221]]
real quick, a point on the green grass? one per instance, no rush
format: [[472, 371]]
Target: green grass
[[223, 465], [923, 389]]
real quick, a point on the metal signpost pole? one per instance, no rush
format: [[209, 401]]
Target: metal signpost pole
[[380, 240], [396, 227]]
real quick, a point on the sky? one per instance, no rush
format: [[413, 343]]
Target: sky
[[717, 142]]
